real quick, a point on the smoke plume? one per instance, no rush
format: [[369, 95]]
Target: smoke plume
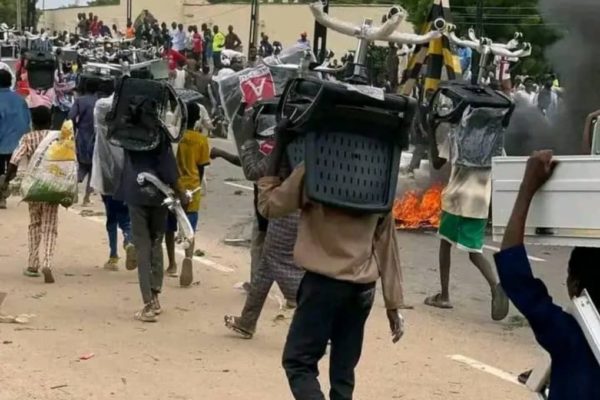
[[576, 60]]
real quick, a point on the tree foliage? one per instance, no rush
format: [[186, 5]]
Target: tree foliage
[[502, 18], [8, 11], [94, 3]]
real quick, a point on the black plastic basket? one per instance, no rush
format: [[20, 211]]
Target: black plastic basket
[[40, 70], [105, 83], [350, 143], [135, 121], [462, 95], [189, 96]]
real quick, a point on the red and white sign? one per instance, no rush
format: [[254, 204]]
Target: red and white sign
[[257, 85]]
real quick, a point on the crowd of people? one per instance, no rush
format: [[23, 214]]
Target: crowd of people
[[203, 44], [326, 261]]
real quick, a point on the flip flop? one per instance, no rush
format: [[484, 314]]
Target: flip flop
[[231, 323], [435, 301], [31, 273]]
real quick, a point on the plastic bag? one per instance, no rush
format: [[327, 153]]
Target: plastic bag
[[262, 82], [108, 160], [63, 149], [51, 176], [478, 137]]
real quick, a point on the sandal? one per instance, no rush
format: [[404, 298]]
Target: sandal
[[31, 273], [232, 323], [437, 302]]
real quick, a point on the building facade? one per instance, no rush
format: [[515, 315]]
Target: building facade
[[282, 22]]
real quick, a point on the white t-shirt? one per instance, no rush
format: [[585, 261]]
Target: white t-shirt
[[469, 190]]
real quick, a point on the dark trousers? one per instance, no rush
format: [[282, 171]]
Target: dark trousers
[[148, 229], [58, 118], [328, 310], [4, 160], [217, 60], [117, 216], [418, 155]]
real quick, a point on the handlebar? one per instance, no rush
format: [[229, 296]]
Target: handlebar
[[486, 46], [386, 32]]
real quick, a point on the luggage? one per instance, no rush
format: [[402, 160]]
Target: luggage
[[40, 70], [51, 175], [137, 119], [350, 139]]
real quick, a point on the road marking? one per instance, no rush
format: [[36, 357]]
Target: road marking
[[498, 373], [496, 249], [237, 185], [181, 252]]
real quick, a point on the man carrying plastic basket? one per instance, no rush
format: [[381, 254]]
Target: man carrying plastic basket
[[43, 216]]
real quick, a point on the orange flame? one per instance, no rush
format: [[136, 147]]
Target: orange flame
[[414, 212]]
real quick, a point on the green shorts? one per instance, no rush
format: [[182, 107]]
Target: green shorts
[[466, 234]]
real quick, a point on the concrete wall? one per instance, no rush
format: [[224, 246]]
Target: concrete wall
[[282, 22]]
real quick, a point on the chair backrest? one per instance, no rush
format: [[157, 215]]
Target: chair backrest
[[137, 120], [40, 70], [478, 116], [350, 139]]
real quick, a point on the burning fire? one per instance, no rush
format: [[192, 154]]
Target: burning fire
[[413, 211]]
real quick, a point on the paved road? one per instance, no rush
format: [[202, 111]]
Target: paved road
[[190, 355]]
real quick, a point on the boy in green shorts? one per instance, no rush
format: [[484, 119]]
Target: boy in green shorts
[[193, 154], [465, 210]]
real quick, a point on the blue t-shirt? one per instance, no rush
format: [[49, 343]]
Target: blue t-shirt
[[575, 371], [82, 114], [15, 120]]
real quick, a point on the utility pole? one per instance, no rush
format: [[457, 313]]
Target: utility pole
[[254, 26], [19, 16], [320, 39], [129, 11], [479, 29], [479, 18]]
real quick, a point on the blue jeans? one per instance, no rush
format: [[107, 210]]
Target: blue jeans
[[117, 216]]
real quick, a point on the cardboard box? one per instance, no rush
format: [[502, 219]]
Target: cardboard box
[[565, 212]]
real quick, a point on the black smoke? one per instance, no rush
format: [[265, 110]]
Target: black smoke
[[575, 58]]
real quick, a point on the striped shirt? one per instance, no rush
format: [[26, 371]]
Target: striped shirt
[[281, 232], [27, 146]]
